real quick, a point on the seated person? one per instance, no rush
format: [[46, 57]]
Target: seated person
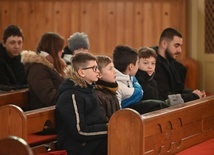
[[106, 87], [169, 73], [45, 70], [78, 42], [80, 127], [130, 93], [12, 72]]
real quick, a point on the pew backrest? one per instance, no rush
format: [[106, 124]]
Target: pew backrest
[[16, 122], [165, 131], [17, 97]]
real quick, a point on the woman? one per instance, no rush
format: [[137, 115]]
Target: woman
[[45, 70]]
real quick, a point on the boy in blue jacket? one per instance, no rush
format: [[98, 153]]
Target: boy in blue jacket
[[80, 126]]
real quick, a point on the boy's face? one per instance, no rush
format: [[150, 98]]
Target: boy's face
[[147, 65], [13, 45], [134, 68], [90, 72], [108, 73]]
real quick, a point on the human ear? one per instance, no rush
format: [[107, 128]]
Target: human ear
[[164, 44], [81, 73]]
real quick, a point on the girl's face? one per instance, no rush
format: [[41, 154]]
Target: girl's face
[[108, 73], [147, 65]]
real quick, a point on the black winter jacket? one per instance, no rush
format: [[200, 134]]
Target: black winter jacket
[[78, 117], [12, 72], [170, 77], [149, 85]]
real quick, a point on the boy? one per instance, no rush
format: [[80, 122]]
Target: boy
[[80, 127], [12, 73], [125, 60], [106, 87], [146, 72]]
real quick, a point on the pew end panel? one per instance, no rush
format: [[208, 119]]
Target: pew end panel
[[165, 131], [13, 145], [129, 123], [13, 122]]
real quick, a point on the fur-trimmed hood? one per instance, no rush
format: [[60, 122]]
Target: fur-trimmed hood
[[30, 57], [74, 76]]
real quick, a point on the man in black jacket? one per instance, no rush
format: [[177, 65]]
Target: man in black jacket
[[170, 74], [12, 73]]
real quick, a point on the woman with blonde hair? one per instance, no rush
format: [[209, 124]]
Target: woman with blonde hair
[[45, 70]]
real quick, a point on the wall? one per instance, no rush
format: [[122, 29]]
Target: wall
[[107, 22], [196, 48]]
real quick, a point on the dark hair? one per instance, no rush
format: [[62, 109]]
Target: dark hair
[[52, 43], [168, 34], [146, 52], [103, 61], [81, 59], [123, 56], [12, 30]]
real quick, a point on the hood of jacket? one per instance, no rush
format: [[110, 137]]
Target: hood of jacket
[[30, 57], [74, 76], [123, 78]]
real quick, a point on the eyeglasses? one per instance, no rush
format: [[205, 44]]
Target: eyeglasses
[[94, 68]]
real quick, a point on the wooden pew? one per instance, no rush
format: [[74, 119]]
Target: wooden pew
[[17, 97], [165, 131], [13, 145], [15, 122]]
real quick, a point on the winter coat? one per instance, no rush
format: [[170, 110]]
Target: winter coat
[[130, 91], [148, 84], [79, 121], [12, 72], [43, 80], [106, 94], [170, 77]]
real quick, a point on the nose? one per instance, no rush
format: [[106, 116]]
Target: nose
[[179, 49]]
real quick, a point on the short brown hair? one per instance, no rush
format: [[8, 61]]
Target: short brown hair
[[103, 61], [146, 52], [12, 30], [81, 59]]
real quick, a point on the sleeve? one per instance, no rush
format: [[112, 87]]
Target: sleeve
[[72, 114], [40, 81], [133, 94]]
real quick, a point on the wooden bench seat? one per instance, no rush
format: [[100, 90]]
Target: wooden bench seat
[[27, 125], [166, 131]]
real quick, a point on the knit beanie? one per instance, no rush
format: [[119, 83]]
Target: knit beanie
[[78, 40]]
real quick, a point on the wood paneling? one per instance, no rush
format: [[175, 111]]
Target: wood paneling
[[108, 23]]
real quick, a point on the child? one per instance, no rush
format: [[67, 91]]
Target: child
[[146, 71], [80, 127], [106, 87], [126, 63]]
